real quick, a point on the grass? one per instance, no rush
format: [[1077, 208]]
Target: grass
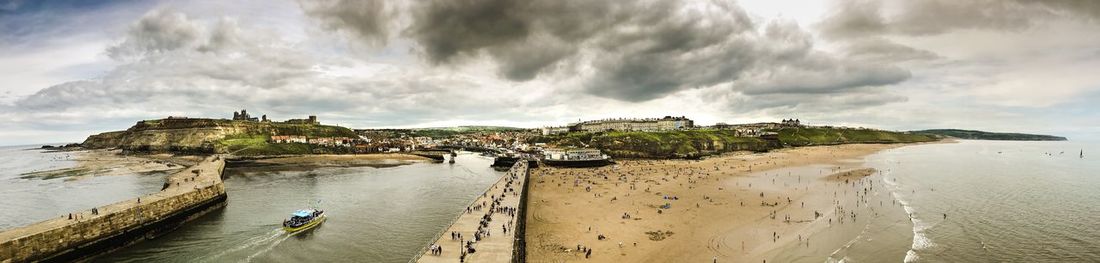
[[247, 145], [805, 136], [660, 144], [703, 142]]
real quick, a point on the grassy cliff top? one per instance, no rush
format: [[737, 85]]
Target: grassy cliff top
[[657, 144], [206, 136], [805, 136], [250, 127]]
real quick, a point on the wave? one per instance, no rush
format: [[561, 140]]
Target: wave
[[920, 239]]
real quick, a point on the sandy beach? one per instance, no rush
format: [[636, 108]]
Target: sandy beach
[[740, 207]]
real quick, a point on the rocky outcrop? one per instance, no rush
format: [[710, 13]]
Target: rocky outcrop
[[104, 140]]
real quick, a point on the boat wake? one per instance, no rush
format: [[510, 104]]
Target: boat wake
[[269, 246], [268, 240]]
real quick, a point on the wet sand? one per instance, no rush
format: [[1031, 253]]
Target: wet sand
[[733, 208], [112, 162], [308, 162]]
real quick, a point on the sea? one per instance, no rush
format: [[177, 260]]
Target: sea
[[988, 201], [374, 214], [966, 201], [26, 199]]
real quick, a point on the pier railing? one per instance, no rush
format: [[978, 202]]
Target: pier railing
[[519, 248]]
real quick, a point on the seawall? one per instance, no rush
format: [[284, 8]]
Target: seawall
[[89, 233], [503, 205]]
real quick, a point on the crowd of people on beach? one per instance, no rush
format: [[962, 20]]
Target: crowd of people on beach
[[786, 197]]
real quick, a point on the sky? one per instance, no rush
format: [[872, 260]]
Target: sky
[[72, 68]]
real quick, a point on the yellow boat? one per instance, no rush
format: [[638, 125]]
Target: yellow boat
[[304, 219]]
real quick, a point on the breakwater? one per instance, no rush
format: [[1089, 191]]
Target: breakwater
[[186, 195], [491, 229]]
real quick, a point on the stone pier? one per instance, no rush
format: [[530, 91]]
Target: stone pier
[[497, 245], [187, 194]]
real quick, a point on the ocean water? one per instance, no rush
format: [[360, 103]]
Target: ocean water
[[373, 215], [992, 201], [26, 200]]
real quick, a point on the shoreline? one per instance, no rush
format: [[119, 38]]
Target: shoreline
[[103, 162], [307, 162], [112, 163], [732, 207]]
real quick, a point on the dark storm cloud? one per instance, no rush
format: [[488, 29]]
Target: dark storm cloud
[[366, 19], [625, 50], [526, 37], [860, 18]]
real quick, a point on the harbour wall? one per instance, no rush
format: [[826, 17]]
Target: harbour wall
[[187, 195]]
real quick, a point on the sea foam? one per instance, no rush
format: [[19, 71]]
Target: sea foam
[[920, 239]]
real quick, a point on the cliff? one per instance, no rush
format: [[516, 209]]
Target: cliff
[[206, 136], [664, 144], [704, 142], [807, 136]]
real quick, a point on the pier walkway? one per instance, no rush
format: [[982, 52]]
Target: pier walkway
[[495, 244]]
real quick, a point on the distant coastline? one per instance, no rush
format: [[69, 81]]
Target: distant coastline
[[984, 135]]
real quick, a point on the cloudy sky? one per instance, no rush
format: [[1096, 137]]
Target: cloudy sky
[[73, 68]]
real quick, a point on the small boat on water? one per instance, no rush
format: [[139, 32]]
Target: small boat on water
[[304, 219]]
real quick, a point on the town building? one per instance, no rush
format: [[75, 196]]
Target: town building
[[791, 122], [555, 130], [667, 123]]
